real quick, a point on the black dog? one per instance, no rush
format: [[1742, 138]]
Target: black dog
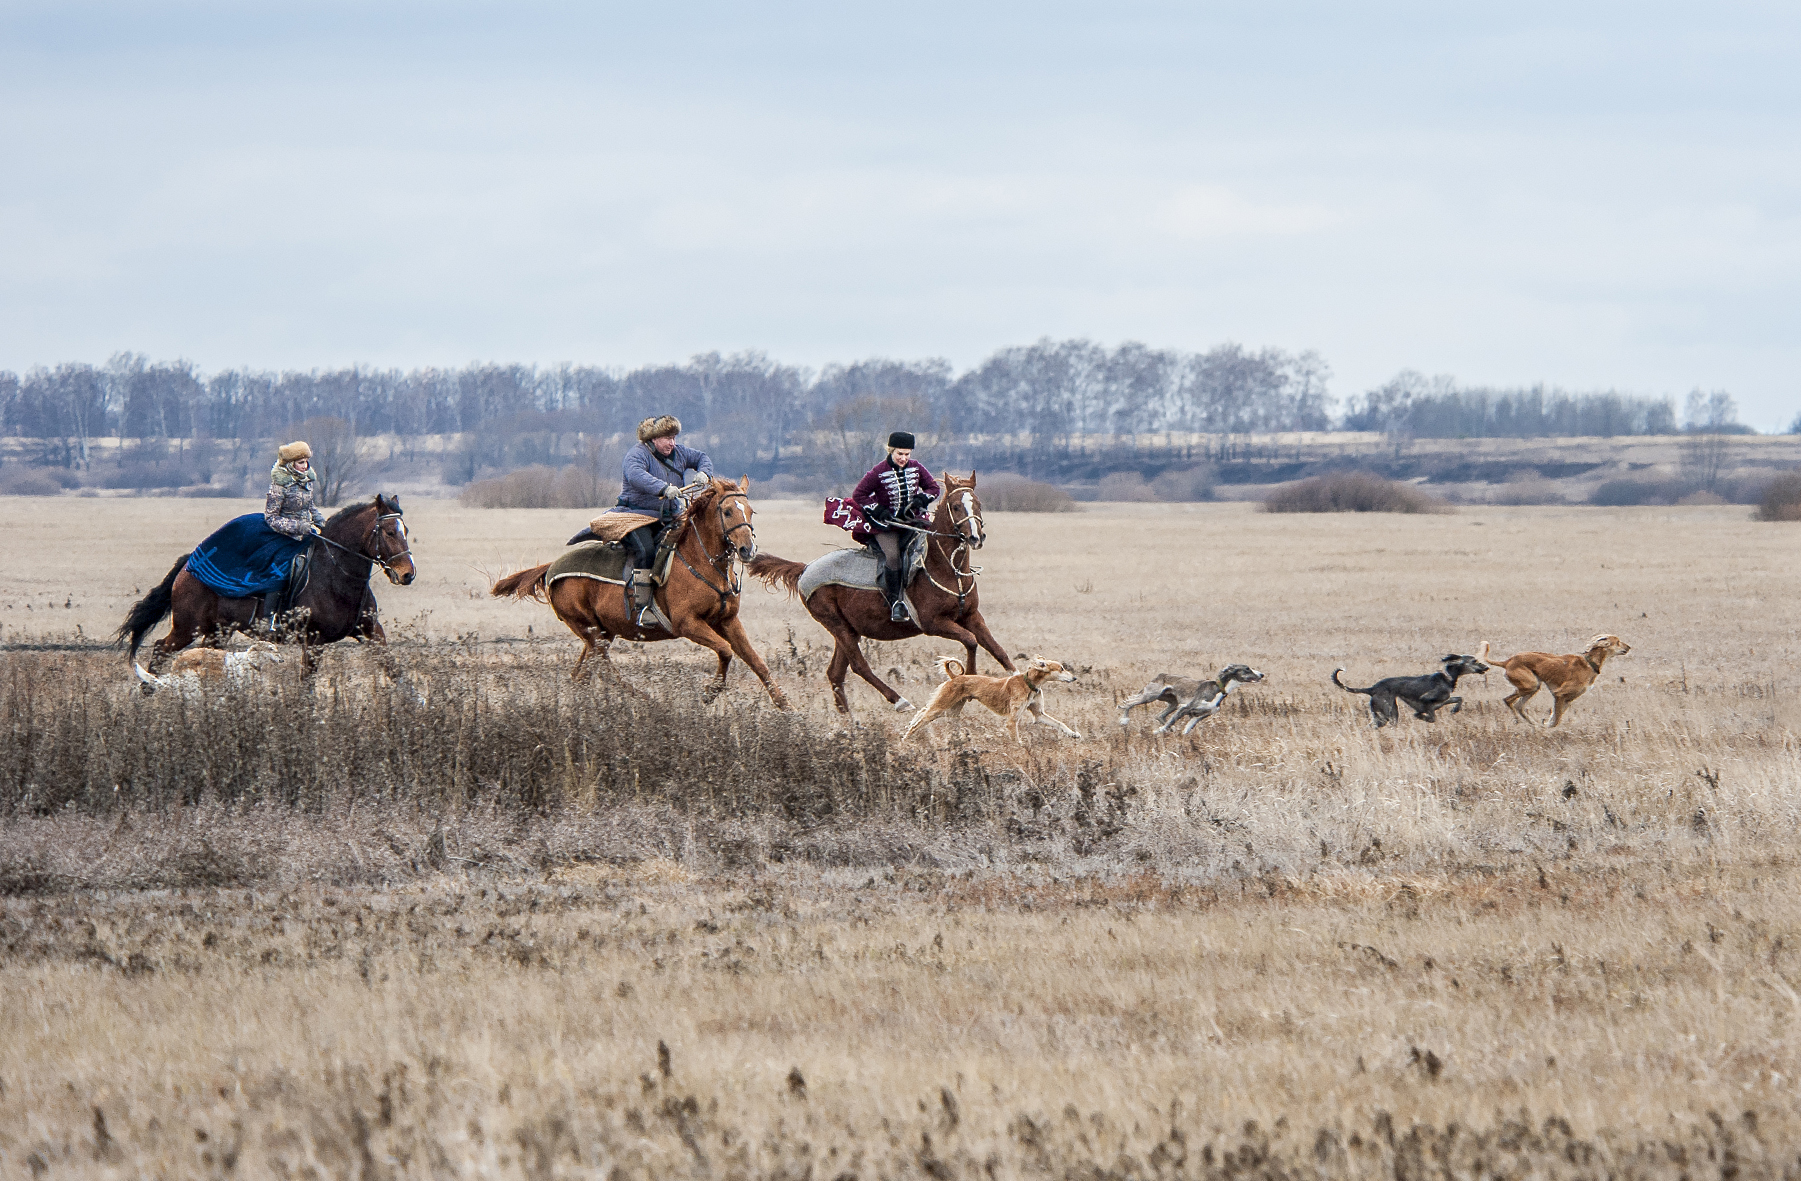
[[1425, 696]]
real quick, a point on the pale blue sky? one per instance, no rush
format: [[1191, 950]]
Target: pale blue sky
[[1587, 195]]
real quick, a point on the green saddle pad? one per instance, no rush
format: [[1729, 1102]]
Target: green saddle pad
[[599, 560]]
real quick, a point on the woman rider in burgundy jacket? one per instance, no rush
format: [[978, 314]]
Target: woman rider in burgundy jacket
[[898, 489]]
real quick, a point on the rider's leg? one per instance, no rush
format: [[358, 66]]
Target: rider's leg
[[271, 605], [642, 542], [893, 578]]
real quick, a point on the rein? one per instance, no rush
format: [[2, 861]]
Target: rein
[[950, 556], [376, 559], [734, 581]]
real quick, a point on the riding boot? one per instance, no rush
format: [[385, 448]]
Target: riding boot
[[643, 597], [892, 590], [271, 608]]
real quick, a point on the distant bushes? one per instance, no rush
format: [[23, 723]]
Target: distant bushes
[[1008, 493], [1186, 484], [34, 481], [1781, 499], [575, 486], [1351, 492], [1628, 492]]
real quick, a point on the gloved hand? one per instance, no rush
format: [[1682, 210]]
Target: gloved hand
[[670, 492], [877, 514], [921, 502]]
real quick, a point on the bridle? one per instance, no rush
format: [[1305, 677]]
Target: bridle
[[377, 558], [964, 543], [730, 574]]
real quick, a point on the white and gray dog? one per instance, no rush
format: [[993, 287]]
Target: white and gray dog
[[1188, 698]]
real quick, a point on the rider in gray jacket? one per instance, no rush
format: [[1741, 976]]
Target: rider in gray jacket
[[652, 484]]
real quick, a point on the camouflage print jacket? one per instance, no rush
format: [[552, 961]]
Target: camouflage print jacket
[[289, 506]]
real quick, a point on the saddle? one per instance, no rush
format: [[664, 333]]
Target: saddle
[[602, 561]]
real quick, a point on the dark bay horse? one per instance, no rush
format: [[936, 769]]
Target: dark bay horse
[[944, 595], [336, 604], [700, 597]]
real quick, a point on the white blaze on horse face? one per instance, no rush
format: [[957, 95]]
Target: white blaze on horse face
[[975, 522]]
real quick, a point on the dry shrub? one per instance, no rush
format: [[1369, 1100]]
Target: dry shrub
[[1125, 486], [575, 486], [1005, 492], [1351, 492], [29, 482], [1781, 499], [1187, 484]]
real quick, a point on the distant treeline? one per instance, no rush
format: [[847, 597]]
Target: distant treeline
[[1058, 395]]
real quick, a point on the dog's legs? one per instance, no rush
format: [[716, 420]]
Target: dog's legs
[[1456, 704], [1382, 708], [1526, 686], [1146, 697], [929, 714], [1558, 705], [1037, 710]]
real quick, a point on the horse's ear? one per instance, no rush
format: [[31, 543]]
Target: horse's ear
[[744, 484], [972, 477]]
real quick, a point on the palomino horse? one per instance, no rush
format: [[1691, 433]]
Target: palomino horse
[[700, 597], [944, 596], [336, 604]]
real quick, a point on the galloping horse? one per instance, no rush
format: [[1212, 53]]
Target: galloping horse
[[336, 604], [700, 597], [944, 597]]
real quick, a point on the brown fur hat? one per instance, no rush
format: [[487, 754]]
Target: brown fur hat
[[659, 427], [289, 452]]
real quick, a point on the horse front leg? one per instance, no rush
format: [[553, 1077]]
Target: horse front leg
[[733, 630], [978, 627], [702, 633]]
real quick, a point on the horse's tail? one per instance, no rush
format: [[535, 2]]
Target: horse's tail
[[950, 666], [1344, 686], [149, 610], [526, 584], [777, 572]]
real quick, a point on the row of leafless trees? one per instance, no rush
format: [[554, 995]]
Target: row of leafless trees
[[1051, 398]]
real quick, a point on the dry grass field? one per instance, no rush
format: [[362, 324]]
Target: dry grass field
[[332, 931]]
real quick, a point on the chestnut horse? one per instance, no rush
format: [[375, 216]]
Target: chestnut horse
[[700, 597], [336, 604], [944, 596]]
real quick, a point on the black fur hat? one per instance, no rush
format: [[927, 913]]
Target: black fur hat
[[901, 439]]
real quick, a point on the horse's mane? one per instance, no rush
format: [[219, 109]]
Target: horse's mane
[[716, 487], [346, 513]]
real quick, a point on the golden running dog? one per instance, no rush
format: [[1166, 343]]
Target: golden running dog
[[1010, 697], [198, 669], [1567, 677]]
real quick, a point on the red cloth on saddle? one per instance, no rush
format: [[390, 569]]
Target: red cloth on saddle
[[842, 513]]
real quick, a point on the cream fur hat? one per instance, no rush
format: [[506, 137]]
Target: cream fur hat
[[658, 427], [289, 452]]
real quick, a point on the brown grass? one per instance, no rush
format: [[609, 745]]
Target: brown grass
[[1475, 946], [1351, 492]]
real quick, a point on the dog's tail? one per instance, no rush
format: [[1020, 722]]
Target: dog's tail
[[151, 681], [950, 666], [525, 584], [1344, 686], [777, 573]]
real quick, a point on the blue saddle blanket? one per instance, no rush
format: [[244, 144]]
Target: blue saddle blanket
[[245, 557]]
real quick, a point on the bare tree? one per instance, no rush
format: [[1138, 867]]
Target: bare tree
[[336, 457], [1712, 418]]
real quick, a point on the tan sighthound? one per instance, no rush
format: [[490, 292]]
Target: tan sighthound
[[199, 669], [1567, 677], [1010, 697]]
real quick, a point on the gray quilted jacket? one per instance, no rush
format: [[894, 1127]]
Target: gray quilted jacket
[[289, 506]]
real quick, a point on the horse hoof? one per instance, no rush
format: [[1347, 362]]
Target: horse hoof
[[902, 705]]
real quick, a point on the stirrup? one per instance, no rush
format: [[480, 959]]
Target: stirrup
[[897, 612]]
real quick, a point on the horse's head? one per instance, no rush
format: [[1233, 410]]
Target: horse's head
[[725, 507], [961, 509], [393, 548]]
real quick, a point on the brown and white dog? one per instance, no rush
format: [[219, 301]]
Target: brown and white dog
[[199, 669], [1010, 697], [1567, 677]]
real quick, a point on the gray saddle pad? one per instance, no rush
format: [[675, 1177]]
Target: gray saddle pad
[[857, 568]]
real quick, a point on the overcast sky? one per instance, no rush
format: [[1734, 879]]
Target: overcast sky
[[1593, 196]]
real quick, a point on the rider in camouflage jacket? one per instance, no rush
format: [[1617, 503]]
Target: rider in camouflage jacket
[[289, 506]]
